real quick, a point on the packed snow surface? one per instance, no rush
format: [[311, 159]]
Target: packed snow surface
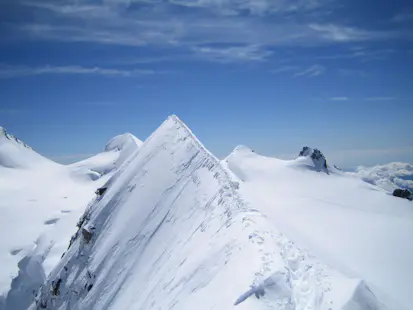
[[40, 204], [358, 228], [174, 231]]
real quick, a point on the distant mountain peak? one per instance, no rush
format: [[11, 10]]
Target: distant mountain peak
[[3, 132], [122, 141], [14, 153], [318, 158], [117, 151]]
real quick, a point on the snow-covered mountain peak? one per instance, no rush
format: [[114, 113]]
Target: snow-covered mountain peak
[[172, 231], [14, 153], [123, 141], [116, 152], [242, 149], [6, 135]]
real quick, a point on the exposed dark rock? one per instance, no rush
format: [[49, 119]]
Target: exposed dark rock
[[319, 160], [43, 304], [305, 151], [55, 287], [100, 191], [403, 193], [87, 234]]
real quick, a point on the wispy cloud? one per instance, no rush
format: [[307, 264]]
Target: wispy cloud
[[360, 54], [203, 22], [339, 98], [260, 7], [16, 71], [249, 53], [297, 71], [313, 71], [381, 98], [348, 34]]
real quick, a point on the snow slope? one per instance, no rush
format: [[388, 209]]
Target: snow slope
[[117, 151], [173, 232], [40, 204], [356, 227], [16, 154]]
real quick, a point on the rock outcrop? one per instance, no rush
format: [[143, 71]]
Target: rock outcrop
[[319, 160]]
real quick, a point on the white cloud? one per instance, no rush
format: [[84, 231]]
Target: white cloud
[[233, 54], [355, 157], [338, 33], [16, 71], [389, 177], [153, 22], [339, 98], [259, 7], [313, 71]]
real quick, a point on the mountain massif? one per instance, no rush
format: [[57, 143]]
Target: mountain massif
[[178, 228]]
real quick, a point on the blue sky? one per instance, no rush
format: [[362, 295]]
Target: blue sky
[[273, 75]]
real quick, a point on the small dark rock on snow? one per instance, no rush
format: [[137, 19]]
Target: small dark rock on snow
[[100, 191], [403, 193], [87, 234]]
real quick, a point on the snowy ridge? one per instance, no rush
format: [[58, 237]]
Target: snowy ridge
[[172, 232], [16, 154], [4, 133]]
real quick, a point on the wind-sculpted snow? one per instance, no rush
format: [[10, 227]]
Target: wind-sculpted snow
[[117, 151], [173, 232]]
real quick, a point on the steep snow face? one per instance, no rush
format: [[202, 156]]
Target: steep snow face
[[16, 154], [388, 177], [356, 227], [172, 231], [117, 151]]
